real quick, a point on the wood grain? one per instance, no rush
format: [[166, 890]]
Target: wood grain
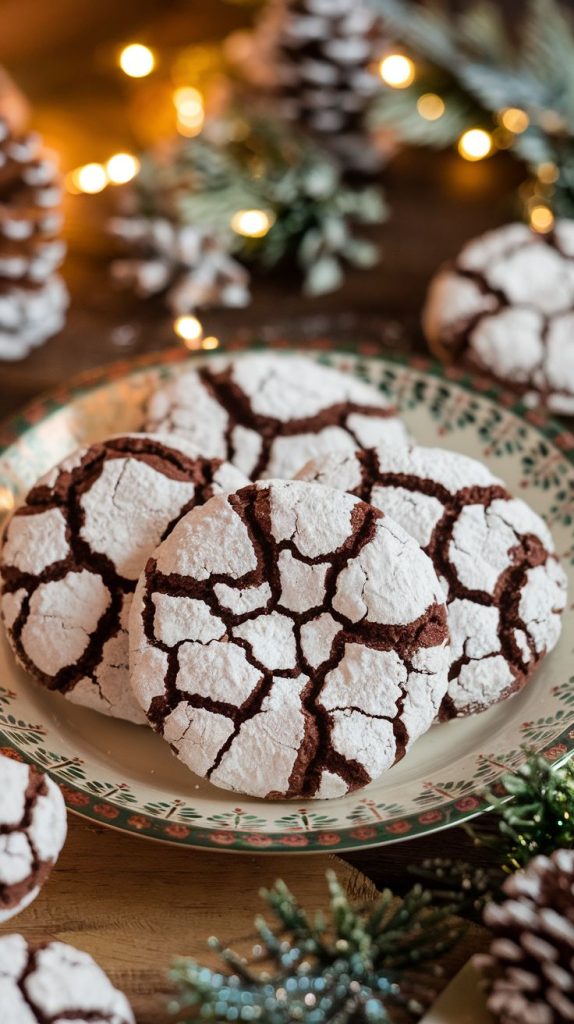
[[134, 904]]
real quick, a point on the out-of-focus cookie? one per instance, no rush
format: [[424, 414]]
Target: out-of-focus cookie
[[268, 414], [506, 305], [56, 983], [495, 557], [289, 641], [32, 833], [73, 552]]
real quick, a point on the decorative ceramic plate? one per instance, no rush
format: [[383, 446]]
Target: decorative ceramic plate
[[125, 776]]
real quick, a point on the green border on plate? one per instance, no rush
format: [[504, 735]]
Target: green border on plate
[[373, 834]]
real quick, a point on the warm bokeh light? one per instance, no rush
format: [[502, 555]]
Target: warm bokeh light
[[190, 110], [210, 343], [548, 173], [514, 120], [475, 144], [137, 60], [397, 71], [7, 500], [122, 167], [90, 178], [430, 106], [189, 329], [251, 223], [541, 218]]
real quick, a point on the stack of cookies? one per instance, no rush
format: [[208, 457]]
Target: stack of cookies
[[276, 580]]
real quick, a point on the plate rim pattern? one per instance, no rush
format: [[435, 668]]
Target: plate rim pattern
[[238, 834]]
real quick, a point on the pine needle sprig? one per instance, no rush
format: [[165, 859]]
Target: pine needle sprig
[[535, 815], [538, 818], [354, 964], [480, 68]]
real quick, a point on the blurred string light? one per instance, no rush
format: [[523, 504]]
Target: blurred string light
[[7, 500], [397, 71], [430, 106], [189, 106], [190, 330], [548, 173], [93, 177], [475, 144], [121, 168], [137, 60], [541, 218], [251, 223], [514, 120]]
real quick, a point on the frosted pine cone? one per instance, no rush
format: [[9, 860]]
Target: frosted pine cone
[[531, 959], [33, 298], [321, 52], [186, 262]]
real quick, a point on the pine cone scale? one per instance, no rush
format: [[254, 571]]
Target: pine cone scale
[[531, 957]]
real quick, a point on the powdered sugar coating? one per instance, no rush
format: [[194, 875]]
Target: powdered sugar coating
[[325, 678], [73, 552], [32, 834], [267, 414], [508, 304], [56, 983], [506, 589]]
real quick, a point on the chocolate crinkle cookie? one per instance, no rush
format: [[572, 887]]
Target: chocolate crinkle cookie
[[56, 984], [73, 552], [506, 306], [268, 413], [506, 589], [32, 834], [289, 640]]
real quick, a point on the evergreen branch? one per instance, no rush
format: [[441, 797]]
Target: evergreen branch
[[355, 967], [537, 819], [480, 68]]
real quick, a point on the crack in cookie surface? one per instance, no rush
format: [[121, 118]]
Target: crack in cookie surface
[[312, 689], [494, 555], [267, 413], [72, 554]]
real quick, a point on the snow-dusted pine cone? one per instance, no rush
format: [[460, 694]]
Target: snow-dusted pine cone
[[189, 264], [33, 298], [531, 960], [322, 54]]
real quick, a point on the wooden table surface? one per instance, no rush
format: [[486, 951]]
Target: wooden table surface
[[114, 895]]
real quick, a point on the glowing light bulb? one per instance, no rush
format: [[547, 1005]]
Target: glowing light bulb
[[189, 329], [514, 120], [190, 110], [210, 343], [122, 167], [548, 173], [90, 178], [541, 219], [397, 71], [475, 144], [251, 223], [7, 500], [430, 106], [137, 60]]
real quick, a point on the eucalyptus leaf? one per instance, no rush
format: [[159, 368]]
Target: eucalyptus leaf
[[326, 275]]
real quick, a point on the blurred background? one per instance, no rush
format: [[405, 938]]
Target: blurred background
[[66, 57]]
